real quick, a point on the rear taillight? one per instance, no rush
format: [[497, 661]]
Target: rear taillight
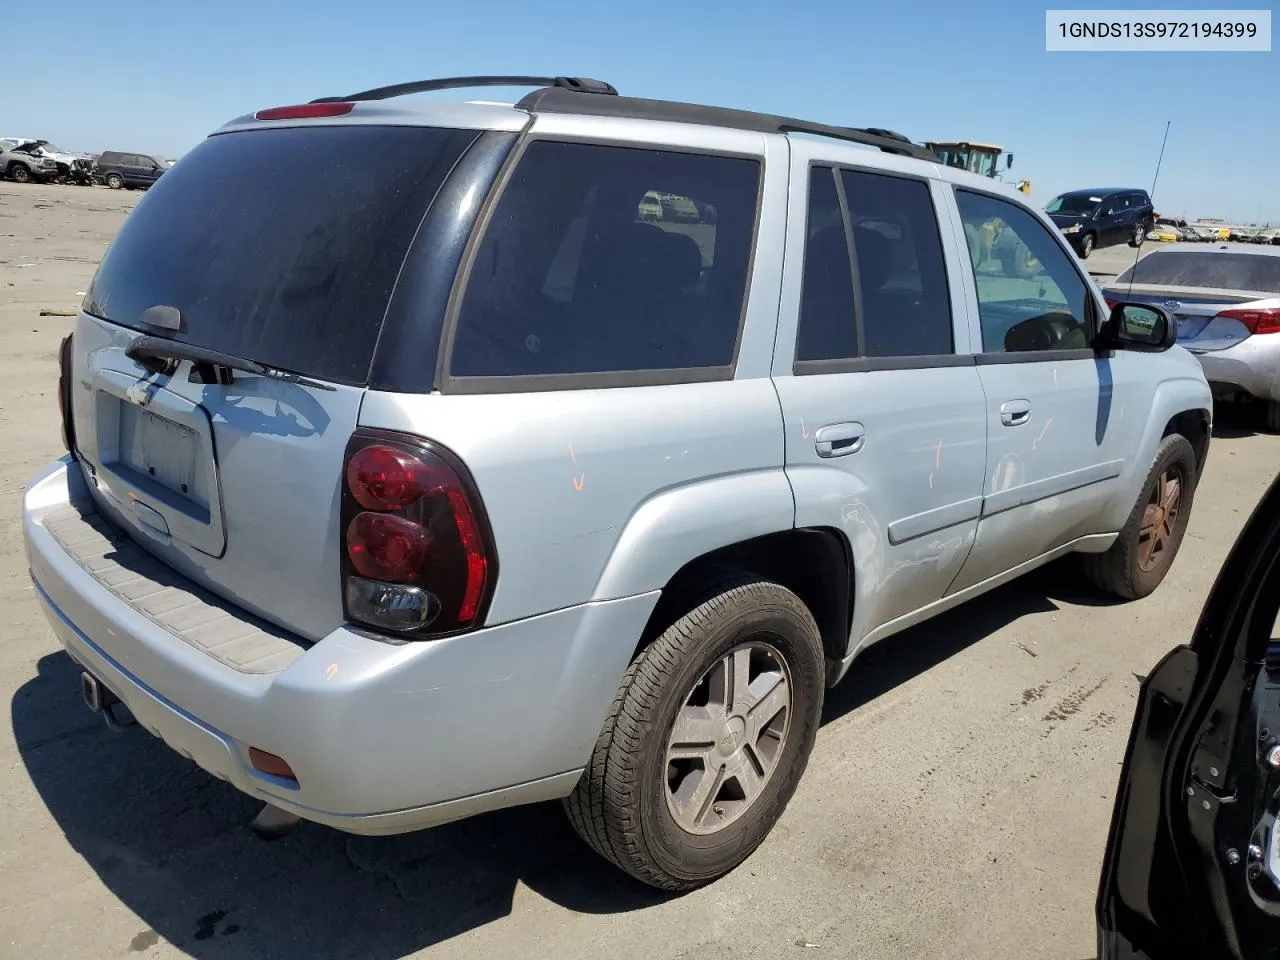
[[418, 557], [305, 111], [1111, 304], [64, 394], [1266, 320]]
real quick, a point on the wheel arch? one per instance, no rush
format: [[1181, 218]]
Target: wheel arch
[[1181, 403], [814, 563]]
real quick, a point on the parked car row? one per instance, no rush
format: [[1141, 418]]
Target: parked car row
[[27, 160]]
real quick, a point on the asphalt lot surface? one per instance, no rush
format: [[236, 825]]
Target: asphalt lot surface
[[956, 804]]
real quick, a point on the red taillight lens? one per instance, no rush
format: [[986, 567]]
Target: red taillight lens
[[419, 558], [305, 111], [385, 478], [386, 547], [1111, 304], [1265, 320]]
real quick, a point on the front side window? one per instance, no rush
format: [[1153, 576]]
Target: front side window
[[605, 259], [1030, 297]]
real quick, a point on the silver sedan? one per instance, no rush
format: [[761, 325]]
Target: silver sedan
[[1226, 300]]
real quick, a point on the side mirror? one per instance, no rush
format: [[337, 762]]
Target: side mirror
[[1138, 326], [1008, 161]]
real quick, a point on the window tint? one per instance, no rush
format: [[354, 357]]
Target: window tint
[[275, 246], [902, 281], [601, 258], [903, 298], [1228, 271], [1030, 296], [826, 326]]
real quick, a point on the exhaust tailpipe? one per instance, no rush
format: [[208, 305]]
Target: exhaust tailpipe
[[272, 823]]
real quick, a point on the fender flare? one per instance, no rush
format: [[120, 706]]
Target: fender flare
[[1171, 397], [680, 524]]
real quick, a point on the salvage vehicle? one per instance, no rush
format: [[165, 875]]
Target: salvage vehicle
[[19, 163], [1226, 301], [1090, 219], [1192, 865], [71, 167], [367, 510]]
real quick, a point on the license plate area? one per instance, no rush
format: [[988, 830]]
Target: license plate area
[[156, 461], [161, 450]]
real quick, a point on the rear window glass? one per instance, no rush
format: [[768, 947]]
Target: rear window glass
[[610, 259], [1224, 271], [279, 245]]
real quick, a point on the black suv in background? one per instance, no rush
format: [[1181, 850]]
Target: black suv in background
[[117, 169], [1102, 218]]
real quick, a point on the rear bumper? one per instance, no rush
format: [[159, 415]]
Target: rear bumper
[[383, 738], [1251, 366]]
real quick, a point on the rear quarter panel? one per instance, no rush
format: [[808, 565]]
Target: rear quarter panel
[[598, 494]]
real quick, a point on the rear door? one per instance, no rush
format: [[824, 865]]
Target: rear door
[[266, 245], [1192, 866], [883, 408]]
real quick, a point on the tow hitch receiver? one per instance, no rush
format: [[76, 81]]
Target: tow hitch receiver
[[101, 700]]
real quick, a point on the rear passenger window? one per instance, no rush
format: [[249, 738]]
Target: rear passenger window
[[603, 259], [826, 329], [902, 307], [902, 280]]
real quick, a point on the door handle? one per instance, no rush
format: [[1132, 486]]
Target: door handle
[[1015, 413], [839, 439]]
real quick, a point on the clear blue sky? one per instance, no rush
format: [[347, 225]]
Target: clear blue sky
[[158, 76]]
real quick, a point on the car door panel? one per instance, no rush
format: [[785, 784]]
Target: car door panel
[[1192, 862], [889, 450], [1056, 442]]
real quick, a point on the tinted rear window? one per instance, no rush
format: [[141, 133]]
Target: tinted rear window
[[280, 245], [1225, 271], [602, 259]]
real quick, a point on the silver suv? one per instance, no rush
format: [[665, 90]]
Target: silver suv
[[472, 474]]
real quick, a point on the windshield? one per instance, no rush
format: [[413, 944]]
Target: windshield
[[1074, 204], [275, 246], [1224, 271]]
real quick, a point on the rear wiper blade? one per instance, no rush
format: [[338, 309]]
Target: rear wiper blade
[[161, 356]]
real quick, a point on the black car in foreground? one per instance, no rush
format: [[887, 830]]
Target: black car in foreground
[[1102, 218], [1192, 866]]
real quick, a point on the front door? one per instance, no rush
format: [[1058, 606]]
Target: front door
[[884, 413], [1055, 441]]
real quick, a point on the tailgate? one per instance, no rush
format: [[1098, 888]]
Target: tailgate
[[235, 485], [271, 246]]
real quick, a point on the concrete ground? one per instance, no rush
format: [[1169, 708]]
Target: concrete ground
[[955, 807]]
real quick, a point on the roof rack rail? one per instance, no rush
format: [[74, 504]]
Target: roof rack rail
[[574, 84], [551, 99]]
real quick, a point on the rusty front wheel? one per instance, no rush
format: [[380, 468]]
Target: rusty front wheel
[[1148, 543]]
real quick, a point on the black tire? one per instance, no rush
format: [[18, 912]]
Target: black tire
[[619, 807], [1086, 246], [19, 173], [1139, 234], [1120, 571], [114, 181]]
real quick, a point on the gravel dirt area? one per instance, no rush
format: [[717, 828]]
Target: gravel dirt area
[[955, 807]]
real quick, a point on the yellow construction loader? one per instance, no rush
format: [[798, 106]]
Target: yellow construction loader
[[980, 158]]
